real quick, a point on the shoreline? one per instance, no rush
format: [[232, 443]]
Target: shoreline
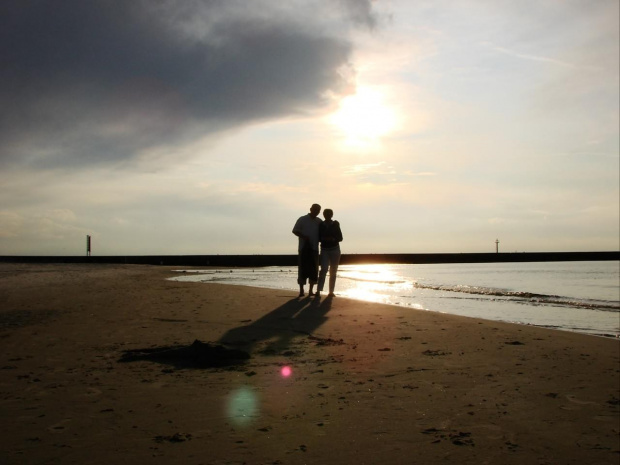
[[550, 328], [367, 383], [493, 310]]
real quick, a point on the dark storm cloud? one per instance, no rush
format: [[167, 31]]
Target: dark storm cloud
[[96, 81]]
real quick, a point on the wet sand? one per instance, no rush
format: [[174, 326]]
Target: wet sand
[[98, 367]]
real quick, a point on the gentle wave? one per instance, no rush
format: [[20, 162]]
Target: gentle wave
[[378, 281], [530, 297]]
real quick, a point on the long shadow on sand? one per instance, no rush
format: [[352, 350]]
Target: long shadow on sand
[[297, 317]]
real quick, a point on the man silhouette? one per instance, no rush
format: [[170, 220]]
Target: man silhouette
[[307, 230]]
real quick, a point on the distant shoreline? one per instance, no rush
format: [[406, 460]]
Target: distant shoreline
[[347, 259]]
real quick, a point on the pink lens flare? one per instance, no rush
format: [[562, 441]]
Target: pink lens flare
[[286, 371]]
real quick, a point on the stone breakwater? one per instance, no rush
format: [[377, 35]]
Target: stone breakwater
[[347, 259]]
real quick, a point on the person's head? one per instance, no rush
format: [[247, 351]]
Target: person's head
[[328, 213], [315, 209]]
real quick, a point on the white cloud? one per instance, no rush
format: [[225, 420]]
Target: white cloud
[[526, 56]]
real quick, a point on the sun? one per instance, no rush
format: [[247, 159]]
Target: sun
[[365, 117]]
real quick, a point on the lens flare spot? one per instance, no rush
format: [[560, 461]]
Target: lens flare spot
[[286, 371], [242, 406]]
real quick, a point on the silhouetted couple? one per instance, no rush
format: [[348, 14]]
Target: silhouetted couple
[[311, 231]]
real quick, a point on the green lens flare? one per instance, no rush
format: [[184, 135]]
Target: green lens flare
[[242, 406]]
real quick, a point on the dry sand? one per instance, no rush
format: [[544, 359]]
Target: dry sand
[[369, 383]]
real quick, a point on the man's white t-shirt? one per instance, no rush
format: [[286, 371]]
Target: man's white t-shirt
[[308, 226]]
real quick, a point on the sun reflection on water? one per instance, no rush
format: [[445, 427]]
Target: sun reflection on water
[[372, 283]]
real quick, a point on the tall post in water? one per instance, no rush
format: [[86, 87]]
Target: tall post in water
[[496, 245]]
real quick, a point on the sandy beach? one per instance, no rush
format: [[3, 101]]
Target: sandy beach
[[100, 366]]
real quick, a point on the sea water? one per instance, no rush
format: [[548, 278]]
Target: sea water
[[574, 296]]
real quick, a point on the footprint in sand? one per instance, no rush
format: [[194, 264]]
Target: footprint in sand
[[93, 392], [60, 426], [574, 400]]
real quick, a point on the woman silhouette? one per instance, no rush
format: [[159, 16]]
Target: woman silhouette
[[330, 237]]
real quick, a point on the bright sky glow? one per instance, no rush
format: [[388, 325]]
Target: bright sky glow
[[426, 126], [364, 118]]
